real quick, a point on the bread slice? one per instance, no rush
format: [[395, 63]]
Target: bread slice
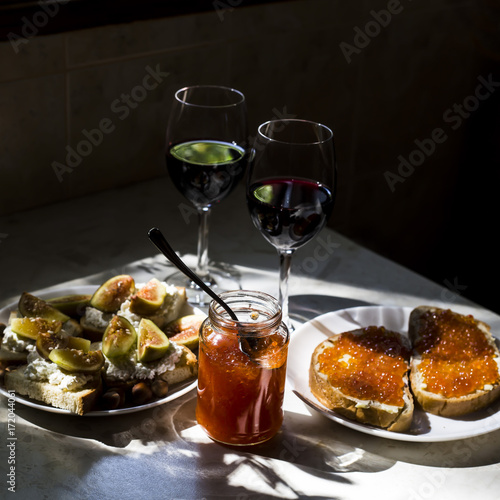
[[78, 402], [350, 373], [455, 366], [185, 368], [88, 399]]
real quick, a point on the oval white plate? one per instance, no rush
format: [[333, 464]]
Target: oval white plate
[[175, 392], [425, 426]]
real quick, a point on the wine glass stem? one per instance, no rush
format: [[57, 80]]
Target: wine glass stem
[[285, 264], [203, 218]]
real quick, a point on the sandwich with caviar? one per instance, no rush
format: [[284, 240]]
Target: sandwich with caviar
[[455, 367], [363, 375]]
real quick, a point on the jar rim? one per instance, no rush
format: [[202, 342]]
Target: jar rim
[[270, 315]]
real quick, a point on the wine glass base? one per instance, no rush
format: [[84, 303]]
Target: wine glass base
[[293, 322], [221, 278]]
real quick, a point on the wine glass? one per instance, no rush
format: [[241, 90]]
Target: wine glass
[[206, 157], [291, 187]]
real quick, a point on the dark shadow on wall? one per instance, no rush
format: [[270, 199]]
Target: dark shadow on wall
[[465, 255], [441, 220], [452, 227]]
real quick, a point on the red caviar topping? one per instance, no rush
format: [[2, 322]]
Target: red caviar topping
[[457, 358], [368, 366]]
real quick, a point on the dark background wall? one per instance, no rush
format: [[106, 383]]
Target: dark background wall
[[411, 90]]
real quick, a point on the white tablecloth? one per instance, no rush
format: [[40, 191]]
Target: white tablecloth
[[161, 453]]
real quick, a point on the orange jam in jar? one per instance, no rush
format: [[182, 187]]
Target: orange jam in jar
[[369, 365], [242, 369], [457, 357]]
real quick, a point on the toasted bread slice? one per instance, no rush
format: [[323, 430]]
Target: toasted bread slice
[[185, 368], [349, 374], [78, 401], [455, 362]]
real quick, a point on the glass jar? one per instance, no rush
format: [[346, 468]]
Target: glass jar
[[242, 369]]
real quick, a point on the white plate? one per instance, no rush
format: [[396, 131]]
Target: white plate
[[425, 427], [175, 391]]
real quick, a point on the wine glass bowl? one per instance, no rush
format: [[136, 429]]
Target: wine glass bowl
[[206, 142], [291, 187], [206, 156]]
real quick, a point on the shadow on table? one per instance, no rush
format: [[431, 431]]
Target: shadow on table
[[478, 451], [303, 443], [308, 440], [114, 431], [166, 445]]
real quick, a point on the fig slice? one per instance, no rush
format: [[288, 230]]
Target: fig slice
[[35, 307], [113, 293], [152, 343], [46, 342], [119, 337], [148, 298], [31, 328], [79, 343], [72, 305], [76, 360], [185, 330]]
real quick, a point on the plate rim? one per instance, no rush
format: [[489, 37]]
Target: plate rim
[[31, 403], [358, 426]]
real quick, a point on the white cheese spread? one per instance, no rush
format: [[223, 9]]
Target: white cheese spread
[[13, 342], [376, 404], [42, 370], [96, 318], [168, 311], [128, 367]]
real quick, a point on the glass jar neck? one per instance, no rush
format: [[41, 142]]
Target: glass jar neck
[[256, 312]]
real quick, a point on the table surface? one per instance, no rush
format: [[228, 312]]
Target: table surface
[[162, 452]]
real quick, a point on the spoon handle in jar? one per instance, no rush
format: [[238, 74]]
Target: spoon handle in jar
[[156, 236]]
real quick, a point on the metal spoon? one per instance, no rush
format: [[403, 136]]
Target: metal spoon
[[156, 236]]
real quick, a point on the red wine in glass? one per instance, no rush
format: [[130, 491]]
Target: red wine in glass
[[291, 187], [289, 212]]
